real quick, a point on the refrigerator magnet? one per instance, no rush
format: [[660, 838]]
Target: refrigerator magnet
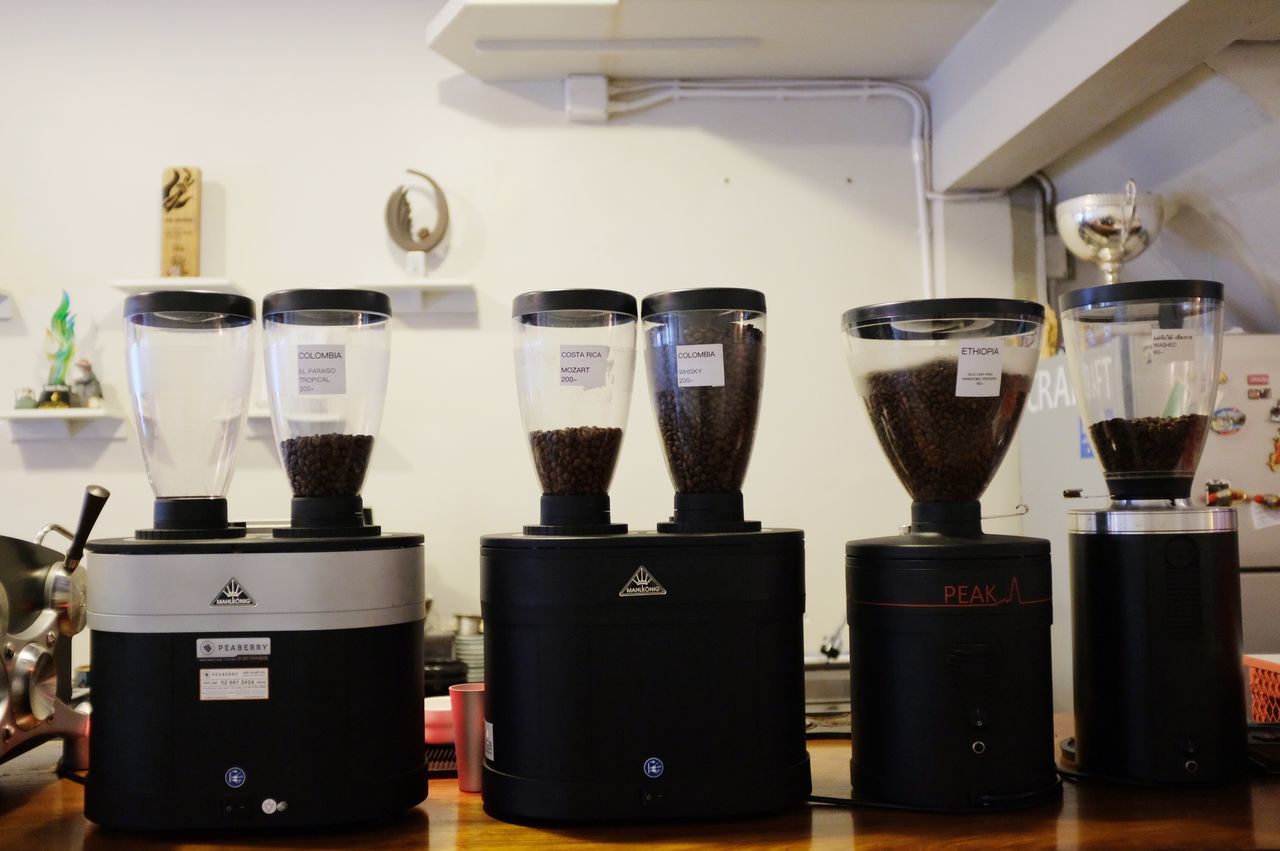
[[1227, 420]]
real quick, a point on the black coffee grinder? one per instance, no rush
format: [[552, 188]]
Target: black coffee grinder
[[256, 678], [642, 675], [1155, 582], [949, 626]]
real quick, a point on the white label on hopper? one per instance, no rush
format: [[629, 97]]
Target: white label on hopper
[[1173, 345], [322, 370], [233, 684], [700, 366], [978, 373], [583, 366], [488, 740]]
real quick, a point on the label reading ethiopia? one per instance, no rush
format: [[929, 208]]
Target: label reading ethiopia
[[322, 370]]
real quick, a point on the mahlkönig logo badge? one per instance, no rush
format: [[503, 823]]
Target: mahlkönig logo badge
[[642, 584], [233, 594]]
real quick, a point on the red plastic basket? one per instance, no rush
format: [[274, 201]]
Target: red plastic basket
[[1264, 685]]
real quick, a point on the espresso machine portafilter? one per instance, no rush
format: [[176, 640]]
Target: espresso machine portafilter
[[42, 595]]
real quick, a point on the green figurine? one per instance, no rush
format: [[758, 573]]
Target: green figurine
[[60, 348]]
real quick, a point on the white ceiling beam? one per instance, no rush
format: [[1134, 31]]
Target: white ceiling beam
[[1035, 78]]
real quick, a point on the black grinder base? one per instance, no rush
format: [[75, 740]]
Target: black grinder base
[[643, 676], [952, 695], [1156, 639]]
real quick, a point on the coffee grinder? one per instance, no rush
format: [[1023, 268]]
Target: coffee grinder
[[1155, 582], [256, 678], [642, 675], [952, 697]]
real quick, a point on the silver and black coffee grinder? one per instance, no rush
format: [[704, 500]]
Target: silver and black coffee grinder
[[1155, 582], [256, 677]]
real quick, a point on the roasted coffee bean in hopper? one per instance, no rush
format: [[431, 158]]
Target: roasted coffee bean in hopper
[[1149, 444], [327, 464], [575, 460], [943, 447]]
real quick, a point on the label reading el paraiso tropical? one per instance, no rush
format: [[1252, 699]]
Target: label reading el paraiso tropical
[[322, 370]]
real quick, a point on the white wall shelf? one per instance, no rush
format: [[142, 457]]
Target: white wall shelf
[[436, 296], [64, 423], [132, 286]]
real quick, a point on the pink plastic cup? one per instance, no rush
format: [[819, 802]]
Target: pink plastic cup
[[467, 701]]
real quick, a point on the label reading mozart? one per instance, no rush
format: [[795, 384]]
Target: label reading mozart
[[1177, 345], [700, 366], [322, 370], [583, 366], [233, 684], [978, 373]]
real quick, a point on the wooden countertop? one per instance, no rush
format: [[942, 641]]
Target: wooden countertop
[[39, 811]]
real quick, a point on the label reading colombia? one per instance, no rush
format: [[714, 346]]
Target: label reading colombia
[[322, 370], [583, 366], [978, 373], [1173, 345], [233, 684], [700, 366]]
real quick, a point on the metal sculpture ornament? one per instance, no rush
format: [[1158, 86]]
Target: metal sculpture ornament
[[399, 217]]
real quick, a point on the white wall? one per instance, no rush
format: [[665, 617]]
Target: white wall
[[303, 115]]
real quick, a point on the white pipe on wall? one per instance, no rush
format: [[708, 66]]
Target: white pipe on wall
[[630, 97]]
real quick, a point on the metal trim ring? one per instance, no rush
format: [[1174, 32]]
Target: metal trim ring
[[1176, 521]]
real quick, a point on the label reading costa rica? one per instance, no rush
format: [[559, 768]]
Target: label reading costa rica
[[322, 370], [583, 366], [700, 366], [978, 373]]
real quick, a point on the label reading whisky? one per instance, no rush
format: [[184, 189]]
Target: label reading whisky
[[180, 228]]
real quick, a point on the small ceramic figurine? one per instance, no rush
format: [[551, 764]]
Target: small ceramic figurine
[[88, 390], [24, 399]]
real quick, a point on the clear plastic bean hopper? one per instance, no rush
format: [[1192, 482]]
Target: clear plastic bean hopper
[[705, 354], [575, 362], [327, 357], [1144, 362], [190, 361]]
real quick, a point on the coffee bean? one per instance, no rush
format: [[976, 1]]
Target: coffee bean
[[1150, 444], [707, 432], [327, 464], [577, 460], [944, 447]]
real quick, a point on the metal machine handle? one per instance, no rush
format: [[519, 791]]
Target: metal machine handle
[[95, 497]]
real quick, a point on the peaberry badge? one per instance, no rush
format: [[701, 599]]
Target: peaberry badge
[[583, 366]]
